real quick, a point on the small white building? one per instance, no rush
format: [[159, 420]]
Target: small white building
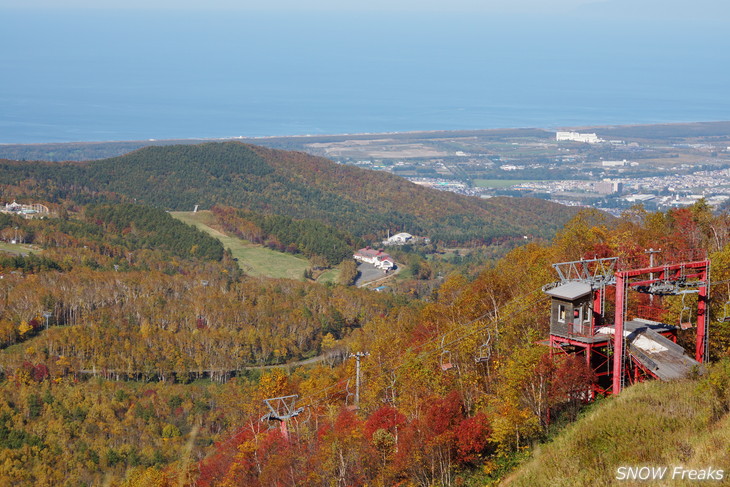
[[398, 239], [26, 211], [639, 198], [378, 258]]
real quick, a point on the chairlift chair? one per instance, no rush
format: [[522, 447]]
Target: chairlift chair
[[726, 308], [446, 363], [685, 316], [389, 392], [445, 360], [308, 418], [351, 407], [388, 395], [485, 352], [483, 355]]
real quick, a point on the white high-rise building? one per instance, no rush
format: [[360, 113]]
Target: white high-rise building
[[577, 137]]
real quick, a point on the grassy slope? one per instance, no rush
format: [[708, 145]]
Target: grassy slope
[[330, 275], [653, 424], [17, 249], [253, 259]]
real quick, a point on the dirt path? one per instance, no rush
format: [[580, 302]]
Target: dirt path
[[298, 363]]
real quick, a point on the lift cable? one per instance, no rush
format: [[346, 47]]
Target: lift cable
[[441, 338], [425, 354], [321, 396]]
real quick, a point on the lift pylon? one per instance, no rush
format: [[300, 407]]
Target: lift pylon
[[685, 275], [282, 409]]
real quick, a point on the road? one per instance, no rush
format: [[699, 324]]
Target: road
[[368, 273], [108, 373]]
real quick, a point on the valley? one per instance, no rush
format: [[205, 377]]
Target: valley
[[144, 343]]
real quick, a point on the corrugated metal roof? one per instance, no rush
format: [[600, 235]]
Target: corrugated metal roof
[[664, 358], [570, 291]]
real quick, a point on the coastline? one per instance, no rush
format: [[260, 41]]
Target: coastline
[[514, 131]]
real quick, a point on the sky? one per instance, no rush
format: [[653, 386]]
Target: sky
[[328, 5], [120, 69], [652, 10]]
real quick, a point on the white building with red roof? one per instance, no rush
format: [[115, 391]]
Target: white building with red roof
[[378, 258]]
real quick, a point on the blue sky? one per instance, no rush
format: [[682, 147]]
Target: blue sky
[[120, 70], [651, 10], [330, 5]]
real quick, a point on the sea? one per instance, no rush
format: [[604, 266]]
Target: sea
[[96, 75]]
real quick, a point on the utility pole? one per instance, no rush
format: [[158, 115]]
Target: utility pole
[[46, 315], [357, 356], [651, 253]]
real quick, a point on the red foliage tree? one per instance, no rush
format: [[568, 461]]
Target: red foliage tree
[[571, 383], [443, 413], [387, 418], [213, 469], [472, 438], [40, 372]]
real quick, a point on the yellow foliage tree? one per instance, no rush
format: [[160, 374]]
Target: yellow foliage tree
[[24, 328]]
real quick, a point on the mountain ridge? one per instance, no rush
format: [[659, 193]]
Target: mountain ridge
[[365, 203]]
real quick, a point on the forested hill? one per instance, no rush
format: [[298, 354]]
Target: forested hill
[[365, 203]]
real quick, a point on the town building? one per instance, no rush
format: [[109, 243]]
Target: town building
[[26, 211], [404, 238], [398, 239], [607, 187], [378, 258], [577, 137]]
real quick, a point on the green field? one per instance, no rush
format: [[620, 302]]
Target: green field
[[254, 260], [17, 249], [499, 183], [330, 275]]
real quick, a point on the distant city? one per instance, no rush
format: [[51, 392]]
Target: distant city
[[569, 167]]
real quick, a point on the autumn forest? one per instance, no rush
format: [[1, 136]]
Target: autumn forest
[[134, 351]]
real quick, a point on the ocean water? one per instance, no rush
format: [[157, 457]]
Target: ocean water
[[96, 75]]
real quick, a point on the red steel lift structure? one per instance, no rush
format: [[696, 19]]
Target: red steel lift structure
[[628, 350]]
